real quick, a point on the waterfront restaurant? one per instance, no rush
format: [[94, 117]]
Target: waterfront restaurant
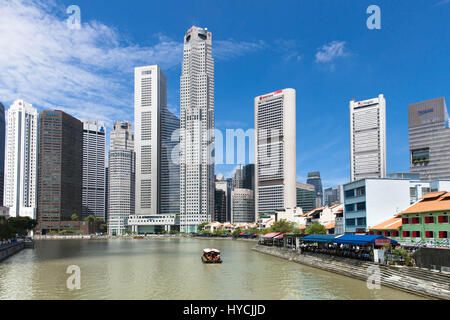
[[349, 246]]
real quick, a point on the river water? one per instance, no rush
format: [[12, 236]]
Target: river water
[[171, 269]]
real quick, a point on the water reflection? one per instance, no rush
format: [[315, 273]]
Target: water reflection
[[171, 269]]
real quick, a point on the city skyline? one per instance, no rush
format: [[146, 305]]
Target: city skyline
[[322, 63]]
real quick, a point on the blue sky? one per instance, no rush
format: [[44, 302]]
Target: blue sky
[[259, 47]]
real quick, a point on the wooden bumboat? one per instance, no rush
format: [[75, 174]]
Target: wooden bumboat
[[211, 256]]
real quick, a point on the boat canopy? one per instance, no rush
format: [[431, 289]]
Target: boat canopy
[[215, 250], [207, 250]]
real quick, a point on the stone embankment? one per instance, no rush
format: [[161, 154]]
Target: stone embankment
[[424, 282], [10, 249]]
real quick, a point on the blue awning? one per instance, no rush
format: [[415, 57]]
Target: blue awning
[[361, 239], [320, 237]]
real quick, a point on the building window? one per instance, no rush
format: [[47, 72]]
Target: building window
[[360, 191], [378, 233], [416, 234], [443, 219], [350, 193], [442, 234], [350, 207], [361, 221], [429, 234], [360, 206], [405, 220], [350, 222], [420, 156], [387, 234], [406, 234], [395, 233], [371, 233], [429, 219], [415, 220]]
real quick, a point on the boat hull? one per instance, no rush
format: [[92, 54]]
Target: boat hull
[[210, 261]]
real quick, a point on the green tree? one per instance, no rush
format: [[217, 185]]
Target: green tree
[[283, 226], [6, 232], [74, 217], [90, 218], [316, 228], [236, 232], [22, 225], [201, 226]]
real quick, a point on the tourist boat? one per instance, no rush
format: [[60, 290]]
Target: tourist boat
[[211, 256]]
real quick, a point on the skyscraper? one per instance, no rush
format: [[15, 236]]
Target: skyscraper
[[220, 206], [21, 160], [238, 179], [94, 151], [2, 152], [225, 186], [333, 195], [157, 168], [60, 170], [248, 175], [306, 196], [368, 138], [275, 151], [242, 206], [429, 139], [197, 130], [121, 177], [315, 180]]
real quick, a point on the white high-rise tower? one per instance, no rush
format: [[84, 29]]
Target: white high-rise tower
[[368, 138], [157, 172], [275, 151], [21, 160], [197, 130]]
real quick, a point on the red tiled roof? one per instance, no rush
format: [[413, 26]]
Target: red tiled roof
[[390, 224], [435, 201]]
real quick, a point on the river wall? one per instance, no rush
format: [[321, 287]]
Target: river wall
[[424, 282], [9, 250]]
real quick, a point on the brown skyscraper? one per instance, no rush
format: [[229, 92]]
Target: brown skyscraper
[[60, 172]]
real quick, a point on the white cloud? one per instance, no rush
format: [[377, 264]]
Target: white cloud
[[442, 2], [329, 52], [87, 72]]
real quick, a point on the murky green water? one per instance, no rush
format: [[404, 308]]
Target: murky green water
[[170, 269]]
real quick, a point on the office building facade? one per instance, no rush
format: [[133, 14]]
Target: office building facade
[[242, 206], [429, 139], [306, 196], [368, 138], [94, 180], [225, 185], [315, 180], [275, 151], [60, 171], [21, 160], [157, 166], [220, 206], [333, 195], [121, 178], [2, 152], [197, 130]]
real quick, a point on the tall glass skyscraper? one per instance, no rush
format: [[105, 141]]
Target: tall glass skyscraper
[[60, 170], [315, 180], [429, 139], [2, 151], [197, 130]]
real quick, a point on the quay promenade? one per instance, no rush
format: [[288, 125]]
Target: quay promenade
[[414, 280]]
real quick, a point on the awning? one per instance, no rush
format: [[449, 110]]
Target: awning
[[242, 233], [320, 238], [362, 239], [271, 235], [279, 237]]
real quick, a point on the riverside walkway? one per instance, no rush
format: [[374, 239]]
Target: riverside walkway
[[419, 281]]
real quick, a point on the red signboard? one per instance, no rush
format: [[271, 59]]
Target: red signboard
[[380, 242]]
